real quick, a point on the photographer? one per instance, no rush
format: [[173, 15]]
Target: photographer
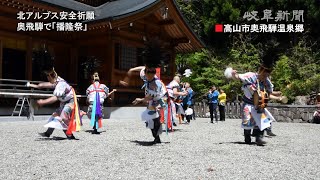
[[213, 103]]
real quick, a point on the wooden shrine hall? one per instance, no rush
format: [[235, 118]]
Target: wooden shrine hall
[[114, 37]]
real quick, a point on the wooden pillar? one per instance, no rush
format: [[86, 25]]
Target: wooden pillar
[[173, 63], [1, 55], [110, 58], [73, 74], [29, 59], [112, 52], [111, 84]]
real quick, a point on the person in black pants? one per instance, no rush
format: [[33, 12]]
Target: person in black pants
[[213, 103], [256, 85], [156, 95], [192, 106], [222, 104], [155, 130], [188, 100]]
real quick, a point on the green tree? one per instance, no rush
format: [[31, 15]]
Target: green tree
[[296, 72]]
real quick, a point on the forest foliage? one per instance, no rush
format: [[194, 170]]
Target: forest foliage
[[296, 70]]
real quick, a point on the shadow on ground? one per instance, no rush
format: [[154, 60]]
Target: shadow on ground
[[174, 130], [236, 142], [91, 130], [147, 143], [54, 138]]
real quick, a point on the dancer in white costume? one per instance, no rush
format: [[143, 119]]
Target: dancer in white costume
[[155, 90], [96, 94], [257, 89], [63, 117]]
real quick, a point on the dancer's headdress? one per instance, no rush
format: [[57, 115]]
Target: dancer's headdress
[[269, 59], [183, 69], [228, 72], [45, 62], [187, 72], [90, 66], [153, 55], [95, 76]]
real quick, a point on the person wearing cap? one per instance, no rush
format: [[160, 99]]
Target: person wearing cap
[[175, 94], [256, 118], [96, 94]]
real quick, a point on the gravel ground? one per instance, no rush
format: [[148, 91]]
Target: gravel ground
[[200, 150]]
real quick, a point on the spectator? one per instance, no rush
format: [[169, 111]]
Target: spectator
[[222, 103], [174, 93], [192, 104], [316, 115], [213, 103], [188, 99]]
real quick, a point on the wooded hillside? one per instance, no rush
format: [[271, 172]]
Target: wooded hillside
[[296, 70]]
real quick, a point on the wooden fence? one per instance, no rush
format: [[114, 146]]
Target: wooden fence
[[233, 110], [281, 112]]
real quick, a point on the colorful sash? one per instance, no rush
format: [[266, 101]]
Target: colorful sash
[[166, 113], [96, 114], [75, 122]]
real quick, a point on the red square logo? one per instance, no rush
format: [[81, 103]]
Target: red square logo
[[219, 28]]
